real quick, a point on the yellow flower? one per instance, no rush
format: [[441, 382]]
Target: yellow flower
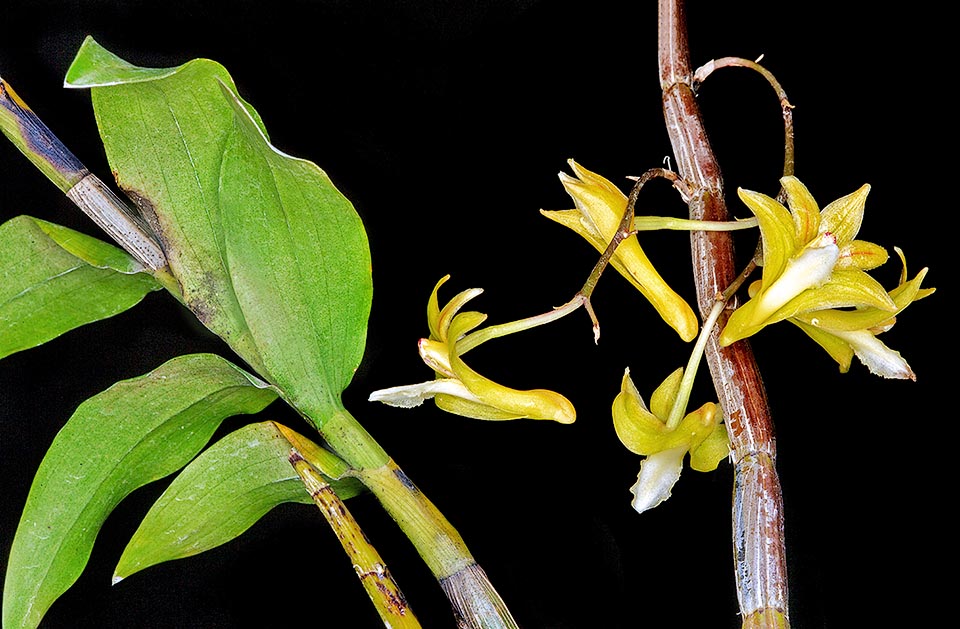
[[600, 206], [811, 260], [848, 333], [459, 389], [645, 431]]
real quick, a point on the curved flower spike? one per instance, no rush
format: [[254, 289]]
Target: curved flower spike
[[848, 333], [645, 431], [600, 206], [811, 260], [459, 389]]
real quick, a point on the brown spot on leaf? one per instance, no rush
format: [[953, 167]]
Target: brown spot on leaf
[[147, 212]]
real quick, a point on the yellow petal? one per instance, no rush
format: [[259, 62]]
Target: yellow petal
[[596, 197], [803, 207], [862, 255], [573, 219], [810, 269], [850, 288], [869, 317], [593, 178], [663, 397], [843, 217], [474, 410], [699, 424], [629, 259], [632, 263], [438, 320], [845, 289], [838, 349], [533, 404], [453, 307], [715, 448], [434, 354], [777, 232], [740, 325], [638, 429], [433, 310]]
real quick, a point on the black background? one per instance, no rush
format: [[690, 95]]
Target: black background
[[446, 124]]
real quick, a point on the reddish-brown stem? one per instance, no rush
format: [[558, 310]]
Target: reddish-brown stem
[[759, 552]]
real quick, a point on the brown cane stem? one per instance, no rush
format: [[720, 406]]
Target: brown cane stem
[[759, 550]]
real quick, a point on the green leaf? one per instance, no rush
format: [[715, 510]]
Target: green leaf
[[219, 495], [53, 279], [135, 432], [300, 265], [269, 254], [164, 133], [95, 66]]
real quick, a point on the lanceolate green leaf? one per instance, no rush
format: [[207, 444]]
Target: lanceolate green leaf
[[54, 279], [220, 494], [133, 433], [300, 266], [164, 132]]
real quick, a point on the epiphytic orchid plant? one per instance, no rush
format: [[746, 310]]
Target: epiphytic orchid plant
[[264, 250]]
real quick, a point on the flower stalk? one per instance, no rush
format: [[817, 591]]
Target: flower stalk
[[738, 62]]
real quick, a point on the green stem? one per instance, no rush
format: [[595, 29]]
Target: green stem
[[351, 441], [475, 602]]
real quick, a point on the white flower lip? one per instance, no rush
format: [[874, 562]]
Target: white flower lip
[[812, 268], [658, 474], [410, 395], [878, 358]]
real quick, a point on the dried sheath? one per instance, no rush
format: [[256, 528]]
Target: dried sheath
[[35, 140]]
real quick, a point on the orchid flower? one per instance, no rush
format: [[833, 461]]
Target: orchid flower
[[845, 333], [600, 206], [810, 260], [812, 268], [647, 431], [459, 389]]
